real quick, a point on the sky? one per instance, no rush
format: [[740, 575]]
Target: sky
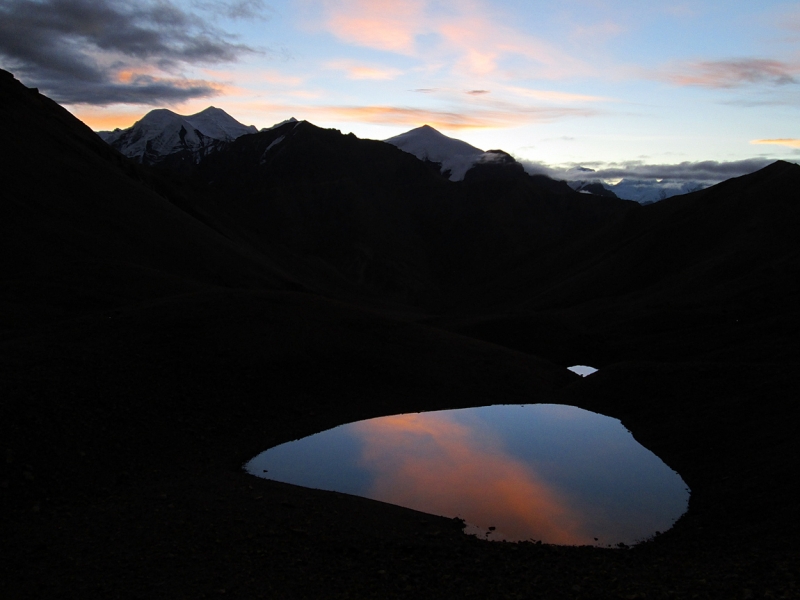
[[683, 90]]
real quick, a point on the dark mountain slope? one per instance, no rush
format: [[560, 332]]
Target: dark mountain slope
[[80, 230], [331, 198], [691, 274], [382, 219], [716, 239]]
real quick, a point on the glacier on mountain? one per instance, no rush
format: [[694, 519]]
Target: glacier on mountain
[[161, 133]]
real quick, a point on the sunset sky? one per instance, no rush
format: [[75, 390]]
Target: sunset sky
[[600, 83]]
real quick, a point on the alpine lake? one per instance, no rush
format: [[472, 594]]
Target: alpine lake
[[536, 472]]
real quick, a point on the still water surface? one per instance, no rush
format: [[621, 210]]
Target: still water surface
[[582, 370], [545, 472]]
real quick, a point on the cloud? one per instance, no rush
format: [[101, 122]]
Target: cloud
[[468, 37], [379, 24], [556, 96], [455, 470], [236, 9], [137, 89], [484, 44], [789, 142], [734, 73], [501, 116], [76, 50], [361, 71], [709, 171]]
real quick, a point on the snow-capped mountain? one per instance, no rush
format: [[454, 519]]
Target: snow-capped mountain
[[455, 157], [646, 191], [643, 191], [161, 133]]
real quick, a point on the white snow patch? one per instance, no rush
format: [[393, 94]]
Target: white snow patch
[[453, 155], [274, 143]]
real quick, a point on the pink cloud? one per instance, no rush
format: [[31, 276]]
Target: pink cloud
[[468, 37], [483, 44], [361, 71], [380, 24], [393, 115], [501, 116]]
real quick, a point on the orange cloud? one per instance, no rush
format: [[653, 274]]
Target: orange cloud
[[125, 76], [790, 142], [106, 120], [435, 465]]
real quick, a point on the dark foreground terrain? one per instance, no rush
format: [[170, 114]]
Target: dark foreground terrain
[[149, 347]]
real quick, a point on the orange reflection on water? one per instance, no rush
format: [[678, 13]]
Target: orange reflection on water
[[430, 463]]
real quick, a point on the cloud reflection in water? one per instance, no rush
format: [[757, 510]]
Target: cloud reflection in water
[[431, 463], [553, 473]]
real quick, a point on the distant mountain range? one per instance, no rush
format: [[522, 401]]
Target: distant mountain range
[[164, 136], [643, 191]]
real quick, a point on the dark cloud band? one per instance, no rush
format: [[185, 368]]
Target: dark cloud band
[[76, 50]]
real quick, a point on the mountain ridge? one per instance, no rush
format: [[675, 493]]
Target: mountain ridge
[[162, 133]]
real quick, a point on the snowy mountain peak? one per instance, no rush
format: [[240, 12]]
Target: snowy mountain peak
[[432, 144], [426, 143], [216, 123], [161, 133]]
